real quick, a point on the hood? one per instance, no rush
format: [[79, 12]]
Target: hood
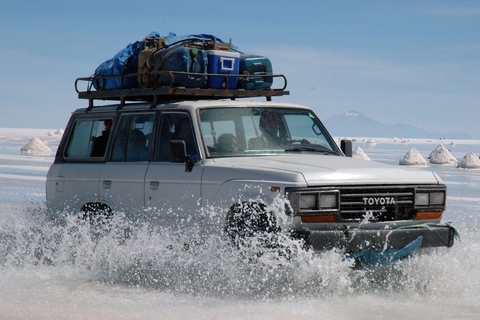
[[319, 170]]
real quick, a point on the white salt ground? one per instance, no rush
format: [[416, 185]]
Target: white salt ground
[[469, 161], [36, 146], [358, 153], [413, 158], [442, 156]]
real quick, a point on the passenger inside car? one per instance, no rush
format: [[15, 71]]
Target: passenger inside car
[[136, 147], [184, 132], [227, 143], [273, 132], [100, 142]]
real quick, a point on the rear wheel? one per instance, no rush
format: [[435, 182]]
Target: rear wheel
[[96, 213]]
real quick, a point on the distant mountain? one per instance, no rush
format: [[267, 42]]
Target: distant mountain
[[355, 124]]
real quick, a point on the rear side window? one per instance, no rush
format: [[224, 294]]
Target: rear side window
[[89, 138], [133, 138]]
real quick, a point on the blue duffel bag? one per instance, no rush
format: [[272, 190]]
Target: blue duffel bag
[[123, 63]]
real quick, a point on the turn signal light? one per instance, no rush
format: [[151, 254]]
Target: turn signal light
[[319, 218], [428, 215], [275, 189]]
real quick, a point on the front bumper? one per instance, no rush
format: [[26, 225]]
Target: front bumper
[[352, 240]]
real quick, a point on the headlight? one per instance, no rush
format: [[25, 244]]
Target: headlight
[[422, 199], [329, 201], [437, 198], [430, 198], [308, 201], [318, 201]]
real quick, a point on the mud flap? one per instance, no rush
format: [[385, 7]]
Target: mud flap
[[382, 257]]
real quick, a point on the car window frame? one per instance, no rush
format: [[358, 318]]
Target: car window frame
[[71, 129], [161, 114]]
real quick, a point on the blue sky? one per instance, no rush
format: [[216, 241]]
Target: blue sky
[[415, 62]]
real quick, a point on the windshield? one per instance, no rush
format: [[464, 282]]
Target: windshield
[[242, 131]]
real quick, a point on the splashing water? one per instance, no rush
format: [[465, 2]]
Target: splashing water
[[140, 254]]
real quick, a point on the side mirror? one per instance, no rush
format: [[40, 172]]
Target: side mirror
[[346, 146], [178, 154]]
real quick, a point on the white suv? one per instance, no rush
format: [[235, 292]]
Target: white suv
[[241, 157]]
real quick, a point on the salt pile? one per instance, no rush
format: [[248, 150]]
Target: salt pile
[[413, 158], [442, 156], [36, 146], [50, 133], [59, 131], [359, 154], [470, 161], [370, 142]]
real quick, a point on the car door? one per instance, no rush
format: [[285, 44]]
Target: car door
[[171, 191], [123, 176]]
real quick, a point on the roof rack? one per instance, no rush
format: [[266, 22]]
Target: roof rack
[[156, 94]]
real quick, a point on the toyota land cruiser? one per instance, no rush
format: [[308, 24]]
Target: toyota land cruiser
[[182, 157]]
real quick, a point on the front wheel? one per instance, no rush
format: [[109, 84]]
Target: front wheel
[[249, 219], [250, 225]]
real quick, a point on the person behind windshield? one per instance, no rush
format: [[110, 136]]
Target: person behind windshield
[[227, 143], [273, 132]]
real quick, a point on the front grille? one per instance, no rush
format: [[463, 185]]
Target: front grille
[[377, 203]]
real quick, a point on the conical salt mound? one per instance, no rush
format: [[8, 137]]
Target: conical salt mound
[[36, 146], [413, 158], [470, 161], [442, 156], [359, 154]]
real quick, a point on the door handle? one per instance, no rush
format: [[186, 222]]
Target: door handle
[[107, 183], [154, 184]]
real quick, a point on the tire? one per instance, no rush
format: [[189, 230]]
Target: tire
[[249, 219], [96, 213]]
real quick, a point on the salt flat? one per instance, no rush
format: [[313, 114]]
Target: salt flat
[[50, 271]]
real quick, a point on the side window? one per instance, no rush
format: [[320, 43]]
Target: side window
[[89, 138], [176, 126], [133, 138]]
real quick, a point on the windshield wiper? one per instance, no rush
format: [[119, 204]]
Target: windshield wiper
[[312, 150]]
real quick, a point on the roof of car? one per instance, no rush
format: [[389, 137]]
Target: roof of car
[[189, 105]]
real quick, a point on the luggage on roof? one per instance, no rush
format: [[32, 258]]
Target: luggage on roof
[[196, 66], [223, 62], [258, 68], [113, 73], [182, 59]]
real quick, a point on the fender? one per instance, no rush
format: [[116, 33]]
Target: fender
[[224, 184]]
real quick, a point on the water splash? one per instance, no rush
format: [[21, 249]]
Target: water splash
[[141, 254]]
